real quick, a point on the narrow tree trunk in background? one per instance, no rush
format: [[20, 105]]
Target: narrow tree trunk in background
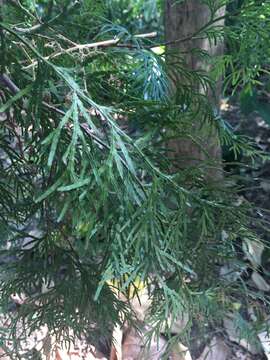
[[183, 18]]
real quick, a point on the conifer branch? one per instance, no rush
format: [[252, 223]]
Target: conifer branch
[[38, 27], [95, 45]]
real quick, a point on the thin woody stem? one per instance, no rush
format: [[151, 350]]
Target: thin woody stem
[[212, 21], [34, 29], [95, 45]]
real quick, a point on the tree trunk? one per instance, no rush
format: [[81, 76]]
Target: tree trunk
[[182, 19]]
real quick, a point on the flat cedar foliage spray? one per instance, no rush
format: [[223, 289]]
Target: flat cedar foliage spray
[[89, 204]]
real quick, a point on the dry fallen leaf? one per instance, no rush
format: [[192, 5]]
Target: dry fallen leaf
[[180, 352], [265, 341], [116, 348], [134, 347], [234, 335], [259, 281], [253, 251], [217, 350]]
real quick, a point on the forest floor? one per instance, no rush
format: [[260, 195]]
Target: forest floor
[[255, 180], [258, 130], [255, 177]]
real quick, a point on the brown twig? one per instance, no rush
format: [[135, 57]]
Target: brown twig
[[38, 27], [95, 45], [4, 79], [7, 82], [212, 21], [17, 4]]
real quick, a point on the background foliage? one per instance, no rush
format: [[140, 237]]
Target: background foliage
[[88, 197]]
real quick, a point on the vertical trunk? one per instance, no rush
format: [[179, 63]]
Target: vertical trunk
[[182, 19]]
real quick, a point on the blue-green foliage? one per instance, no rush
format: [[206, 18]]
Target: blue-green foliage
[[83, 161]]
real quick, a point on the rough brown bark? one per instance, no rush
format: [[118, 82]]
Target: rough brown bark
[[183, 19]]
